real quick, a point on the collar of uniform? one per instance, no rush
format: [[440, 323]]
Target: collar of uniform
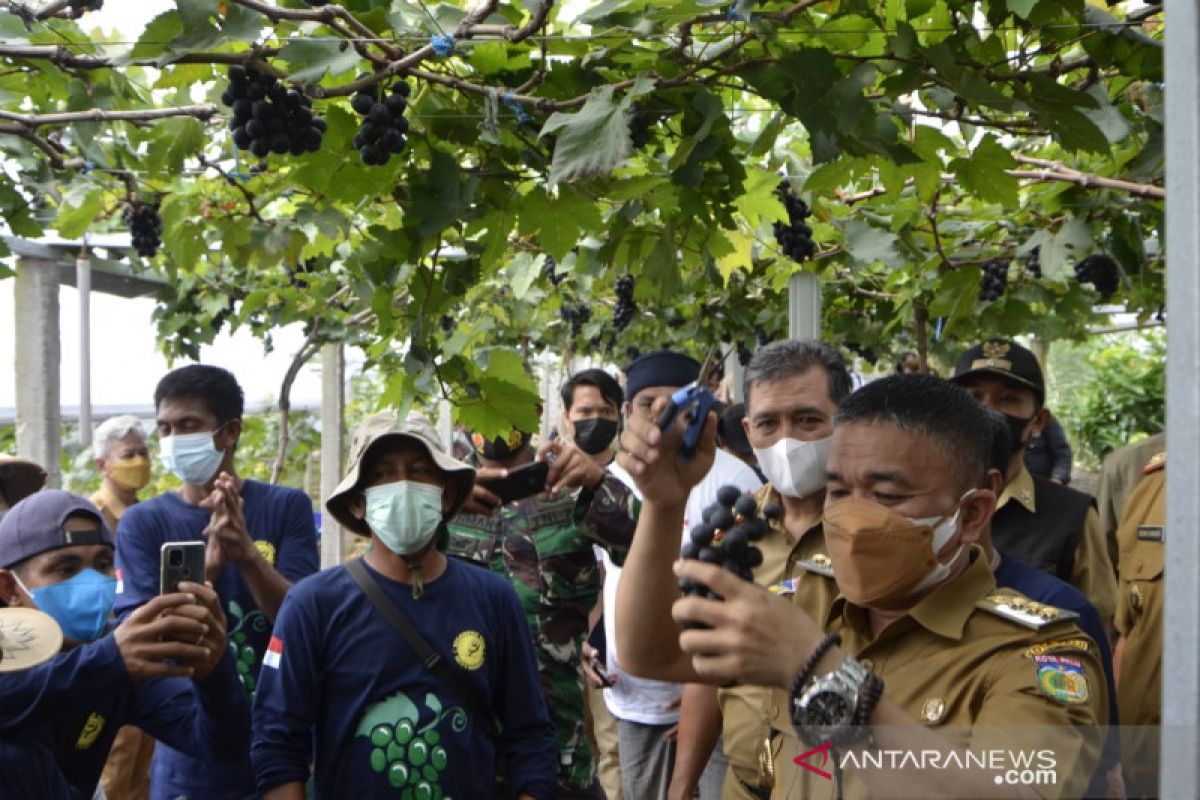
[[943, 611], [1021, 490], [105, 500], [768, 493]]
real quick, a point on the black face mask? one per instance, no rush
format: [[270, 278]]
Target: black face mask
[[498, 449], [594, 435], [1016, 430]]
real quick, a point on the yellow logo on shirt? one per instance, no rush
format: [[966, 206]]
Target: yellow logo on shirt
[[469, 650], [91, 731], [266, 550]]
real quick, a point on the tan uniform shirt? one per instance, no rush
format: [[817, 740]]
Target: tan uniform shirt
[[954, 661], [1091, 572], [744, 725], [1139, 620], [1121, 472], [110, 506]]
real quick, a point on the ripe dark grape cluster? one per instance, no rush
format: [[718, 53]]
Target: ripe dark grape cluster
[[79, 6], [577, 315], [1100, 270], [1033, 263], [413, 760], [381, 134], [640, 123], [268, 117], [550, 270], [724, 537], [995, 280], [865, 353], [145, 226], [794, 238], [744, 354], [626, 309]]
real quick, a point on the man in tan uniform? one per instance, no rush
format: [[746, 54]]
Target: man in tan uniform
[[792, 391], [1139, 621], [918, 610], [1051, 527], [1120, 473]]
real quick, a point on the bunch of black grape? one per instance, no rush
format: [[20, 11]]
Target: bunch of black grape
[[1033, 262], [744, 354], [576, 315], [381, 134], [626, 309], [725, 535], [410, 758], [145, 226], [995, 280], [794, 238], [550, 270], [79, 6], [640, 123], [1100, 271], [268, 117]]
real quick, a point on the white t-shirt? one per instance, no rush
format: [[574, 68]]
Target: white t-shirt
[[651, 702]]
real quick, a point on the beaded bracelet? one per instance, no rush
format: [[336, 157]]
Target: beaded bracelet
[[809, 666]]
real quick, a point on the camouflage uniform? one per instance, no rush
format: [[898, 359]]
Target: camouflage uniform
[[544, 548]]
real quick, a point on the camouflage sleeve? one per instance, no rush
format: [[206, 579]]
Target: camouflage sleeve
[[607, 515]]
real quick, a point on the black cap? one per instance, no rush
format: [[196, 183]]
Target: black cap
[[664, 368], [1003, 359], [38, 523]]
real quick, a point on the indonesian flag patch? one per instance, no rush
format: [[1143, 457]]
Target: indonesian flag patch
[[274, 653], [120, 580]]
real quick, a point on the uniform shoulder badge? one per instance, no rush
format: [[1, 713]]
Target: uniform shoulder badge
[[92, 727], [783, 588], [820, 564], [1155, 464], [1023, 611], [1062, 679]]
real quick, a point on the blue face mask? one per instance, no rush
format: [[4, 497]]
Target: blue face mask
[[192, 457], [79, 605], [405, 515]]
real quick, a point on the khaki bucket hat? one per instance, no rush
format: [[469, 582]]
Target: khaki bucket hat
[[385, 424]]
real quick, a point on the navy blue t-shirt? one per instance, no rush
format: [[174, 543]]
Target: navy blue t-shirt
[[280, 521], [347, 694], [72, 706]]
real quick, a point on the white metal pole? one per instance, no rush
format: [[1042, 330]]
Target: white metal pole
[[804, 306], [1180, 765], [333, 406], [83, 282]]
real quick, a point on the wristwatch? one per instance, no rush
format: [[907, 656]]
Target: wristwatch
[[827, 709]]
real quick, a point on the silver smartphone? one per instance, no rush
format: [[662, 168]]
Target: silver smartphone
[[180, 561]]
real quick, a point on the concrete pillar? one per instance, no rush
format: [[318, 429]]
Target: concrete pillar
[[804, 306], [1180, 733], [83, 282], [35, 322], [333, 407]]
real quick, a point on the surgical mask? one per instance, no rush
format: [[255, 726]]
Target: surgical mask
[[795, 468], [593, 436], [192, 457], [131, 474], [405, 515], [1016, 430], [880, 558], [79, 605]]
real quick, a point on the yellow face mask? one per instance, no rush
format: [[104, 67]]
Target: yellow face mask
[[132, 473]]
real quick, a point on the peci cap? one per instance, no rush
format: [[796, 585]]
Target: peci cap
[[38, 523], [19, 478], [383, 425], [1003, 359], [663, 368]]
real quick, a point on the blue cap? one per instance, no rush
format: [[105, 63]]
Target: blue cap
[[664, 368], [38, 524]]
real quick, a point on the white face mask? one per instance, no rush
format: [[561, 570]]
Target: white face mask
[[795, 468], [942, 534]]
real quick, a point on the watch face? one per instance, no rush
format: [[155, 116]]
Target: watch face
[[828, 709]]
